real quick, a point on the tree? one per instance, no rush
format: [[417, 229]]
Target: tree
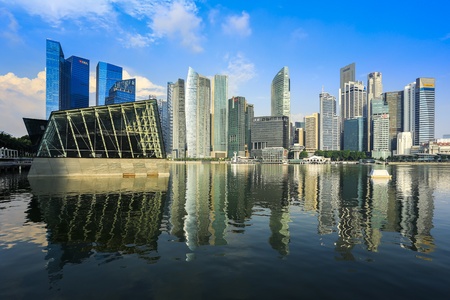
[[303, 154]]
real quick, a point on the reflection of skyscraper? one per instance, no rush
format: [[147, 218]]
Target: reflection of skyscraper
[[198, 99], [107, 75], [328, 195], [219, 195]]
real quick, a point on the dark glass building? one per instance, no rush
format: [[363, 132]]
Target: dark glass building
[[67, 80], [122, 92], [107, 76], [269, 131], [129, 130], [354, 137]]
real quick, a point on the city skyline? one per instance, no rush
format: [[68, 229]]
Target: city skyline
[[156, 41]]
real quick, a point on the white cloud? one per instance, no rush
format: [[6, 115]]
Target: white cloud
[[10, 27], [136, 40], [240, 70], [144, 87], [238, 25], [178, 20], [212, 16], [21, 97]]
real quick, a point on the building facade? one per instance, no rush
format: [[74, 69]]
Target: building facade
[[106, 76], [347, 74], [395, 103], [263, 135], [281, 94], [374, 90], [57, 80], [424, 110], [78, 72], [122, 91], [237, 131], [178, 120], [219, 134], [198, 99], [312, 132], [404, 143], [380, 124], [409, 107], [354, 133], [328, 124]]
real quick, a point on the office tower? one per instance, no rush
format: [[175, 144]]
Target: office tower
[[329, 130], [354, 103], [409, 107], [57, 80], [312, 132], [237, 126], [219, 128], [404, 143], [269, 131], [122, 91], [281, 94], [374, 90], [198, 99], [250, 114], [380, 123], [395, 103], [354, 133], [347, 74], [424, 110], [178, 120], [78, 83], [107, 75], [67, 80]]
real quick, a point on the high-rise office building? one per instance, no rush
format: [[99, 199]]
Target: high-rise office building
[[122, 91], [409, 107], [167, 119], [354, 134], [269, 131], [249, 115], [404, 143], [178, 120], [198, 99], [281, 94], [329, 130], [67, 80], [374, 90], [354, 104], [380, 123], [395, 103], [312, 132], [219, 107], [424, 110], [347, 74], [237, 126], [107, 75]]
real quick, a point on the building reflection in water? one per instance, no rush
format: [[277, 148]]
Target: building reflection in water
[[203, 204]]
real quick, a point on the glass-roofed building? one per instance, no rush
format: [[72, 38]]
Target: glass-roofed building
[[128, 130]]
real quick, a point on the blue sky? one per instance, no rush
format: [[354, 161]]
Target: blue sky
[[156, 41]]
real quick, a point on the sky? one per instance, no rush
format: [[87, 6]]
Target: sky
[[156, 41]]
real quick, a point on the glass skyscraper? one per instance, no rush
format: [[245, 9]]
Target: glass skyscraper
[[281, 94], [122, 92], [238, 126], [220, 113], [67, 80], [107, 76], [329, 131], [424, 110], [178, 120]]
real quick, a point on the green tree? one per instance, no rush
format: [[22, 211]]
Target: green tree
[[303, 154]]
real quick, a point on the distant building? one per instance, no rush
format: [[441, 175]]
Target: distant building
[[380, 124], [424, 110], [328, 123], [347, 74], [404, 143], [446, 136], [122, 91], [374, 90], [67, 80], [281, 94], [409, 107], [219, 111], [312, 132], [269, 131], [107, 75], [354, 133], [198, 119], [237, 129], [395, 103], [178, 120]]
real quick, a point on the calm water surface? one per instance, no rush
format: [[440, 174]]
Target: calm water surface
[[229, 232]]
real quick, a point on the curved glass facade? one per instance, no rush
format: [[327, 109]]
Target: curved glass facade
[[281, 94], [130, 130], [220, 125], [107, 76], [54, 72]]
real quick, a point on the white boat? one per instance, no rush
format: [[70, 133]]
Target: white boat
[[380, 174]]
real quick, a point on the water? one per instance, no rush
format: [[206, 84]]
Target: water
[[229, 232]]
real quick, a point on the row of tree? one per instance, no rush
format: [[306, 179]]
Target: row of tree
[[22, 144], [335, 155]]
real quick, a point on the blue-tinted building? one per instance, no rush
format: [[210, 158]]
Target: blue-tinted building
[[122, 92], [107, 76], [78, 83], [354, 137], [67, 80]]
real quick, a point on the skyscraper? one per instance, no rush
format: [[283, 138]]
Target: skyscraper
[[178, 120], [329, 130], [67, 80], [220, 115], [374, 90], [312, 132], [122, 91], [281, 94], [237, 129], [354, 134], [380, 123], [395, 103], [78, 83], [107, 75], [198, 99], [424, 110], [347, 74], [409, 107], [168, 124]]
